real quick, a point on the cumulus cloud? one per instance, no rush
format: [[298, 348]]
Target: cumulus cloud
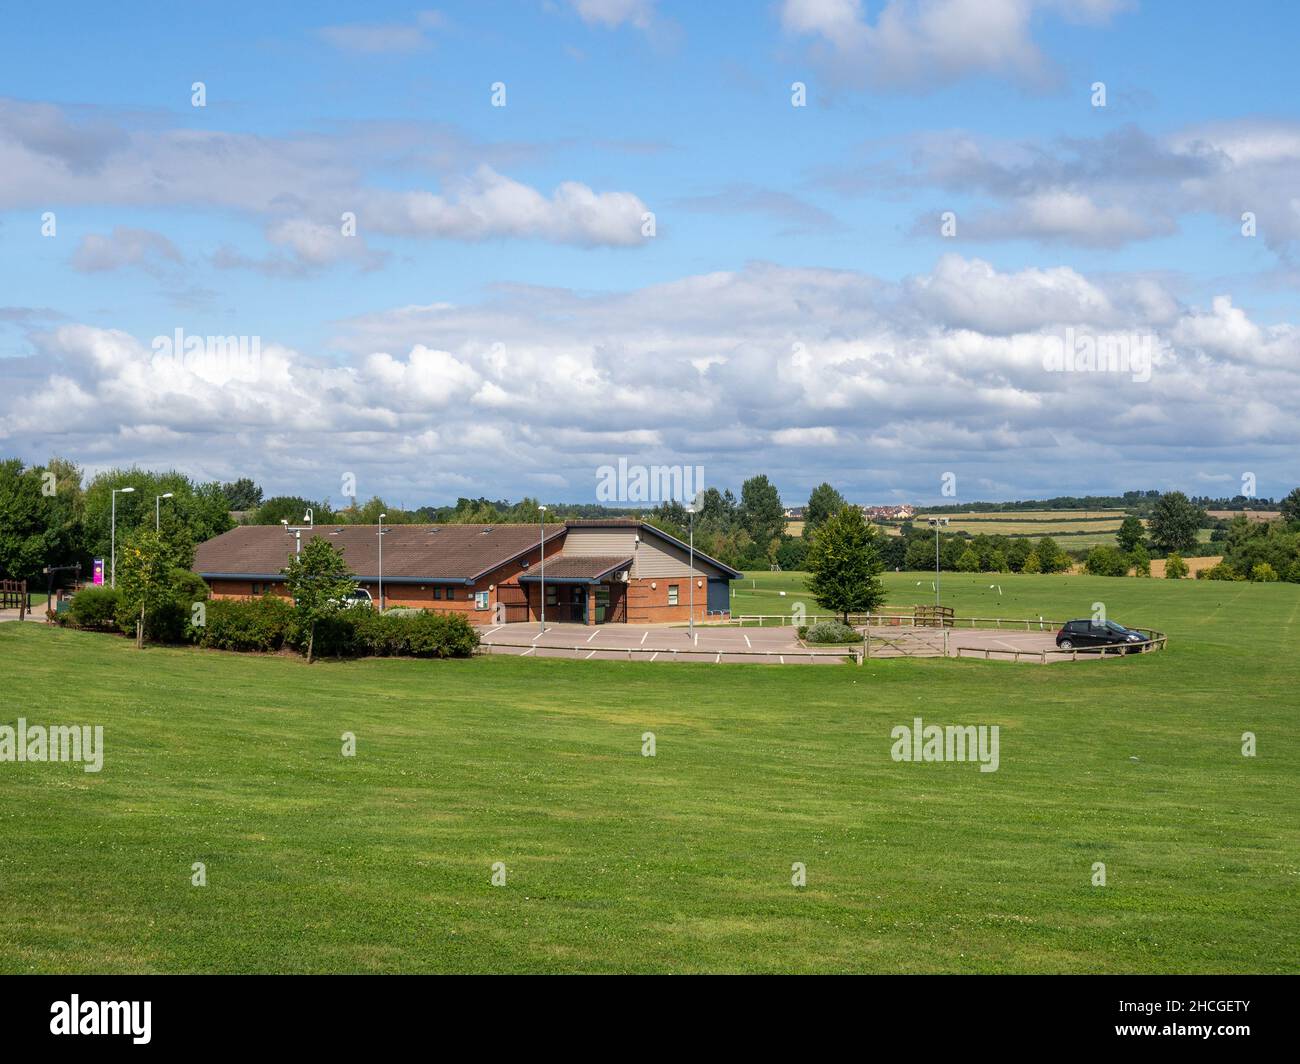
[[806, 374], [614, 13], [1106, 191], [300, 183], [923, 44]]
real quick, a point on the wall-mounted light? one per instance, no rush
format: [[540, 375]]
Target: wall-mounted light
[[653, 585]]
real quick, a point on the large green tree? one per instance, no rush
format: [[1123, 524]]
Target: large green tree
[[844, 564], [1290, 507], [822, 503], [761, 512], [320, 582], [242, 494], [40, 518], [194, 512], [1174, 521]]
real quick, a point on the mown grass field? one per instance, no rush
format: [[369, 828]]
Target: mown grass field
[[680, 862]]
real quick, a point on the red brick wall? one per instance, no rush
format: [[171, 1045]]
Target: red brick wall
[[649, 605]]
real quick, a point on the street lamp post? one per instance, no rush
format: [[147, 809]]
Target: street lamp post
[[541, 539], [157, 509], [381, 562], [112, 532], [691, 510], [935, 522]]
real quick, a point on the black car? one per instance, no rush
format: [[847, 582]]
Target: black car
[[1086, 634]]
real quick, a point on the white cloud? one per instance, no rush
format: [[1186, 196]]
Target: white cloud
[[805, 374], [922, 44], [614, 13], [299, 186]]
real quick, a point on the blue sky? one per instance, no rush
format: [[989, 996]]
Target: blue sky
[[796, 310]]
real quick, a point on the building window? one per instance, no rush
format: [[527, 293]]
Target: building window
[[437, 592], [672, 594], [257, 589], [552, 597], [451, 593], [480, 600]]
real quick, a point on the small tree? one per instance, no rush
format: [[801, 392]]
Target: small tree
[[844, 564], [1264, 573], [1051, 559], [320, 582], [1140, 560], [1175, 567], [145, 582], [1131, 535]]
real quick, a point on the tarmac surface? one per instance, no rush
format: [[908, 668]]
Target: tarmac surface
[[721, 644]]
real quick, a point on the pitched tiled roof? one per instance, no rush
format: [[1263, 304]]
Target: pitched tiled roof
[[411, 552], [578, 567]]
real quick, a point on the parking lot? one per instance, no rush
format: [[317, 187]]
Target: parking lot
[[718, 644]]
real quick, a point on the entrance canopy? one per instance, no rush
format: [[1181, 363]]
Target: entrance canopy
[[577, 570]]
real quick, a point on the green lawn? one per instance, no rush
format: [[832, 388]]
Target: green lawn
[[681, 862]]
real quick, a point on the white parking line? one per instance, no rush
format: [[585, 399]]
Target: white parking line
[[538, 636], [593, 635], [591, 655], [527, 652], [654, 655], [644, 637], [747, 642], [496, 629]]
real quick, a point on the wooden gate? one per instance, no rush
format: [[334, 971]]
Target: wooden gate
[[13, 596], [932, 616]]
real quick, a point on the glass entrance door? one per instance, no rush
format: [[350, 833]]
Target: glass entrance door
[[602, 602], [578, 604]]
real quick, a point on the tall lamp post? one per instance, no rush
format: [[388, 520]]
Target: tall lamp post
[[157, 510], [112, 531], [381, 562], [541, 539], [935, 522], [691, 510]]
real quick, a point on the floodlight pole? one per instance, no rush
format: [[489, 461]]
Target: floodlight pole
[[691, 510], [381, 562], [541, 540], [112, 532], [157, 510], [935, 522]]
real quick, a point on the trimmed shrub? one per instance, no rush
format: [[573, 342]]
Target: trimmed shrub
[[1175, 567], [95, 608], [247, 624], [362, 631], [831, 632], [1264, 573]]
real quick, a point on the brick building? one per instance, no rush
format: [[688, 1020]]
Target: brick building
[[595, 572]]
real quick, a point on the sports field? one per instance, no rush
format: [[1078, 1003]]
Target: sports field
[[682, 861]]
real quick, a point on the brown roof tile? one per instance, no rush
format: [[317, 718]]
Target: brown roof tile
[[411, 552]]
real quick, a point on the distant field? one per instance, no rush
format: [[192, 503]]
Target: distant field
[[1031, 515], [1251, 515], [794, 528]]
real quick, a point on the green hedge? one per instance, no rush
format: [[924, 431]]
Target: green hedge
[[254, 624], [269, 623], [94, 607]]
